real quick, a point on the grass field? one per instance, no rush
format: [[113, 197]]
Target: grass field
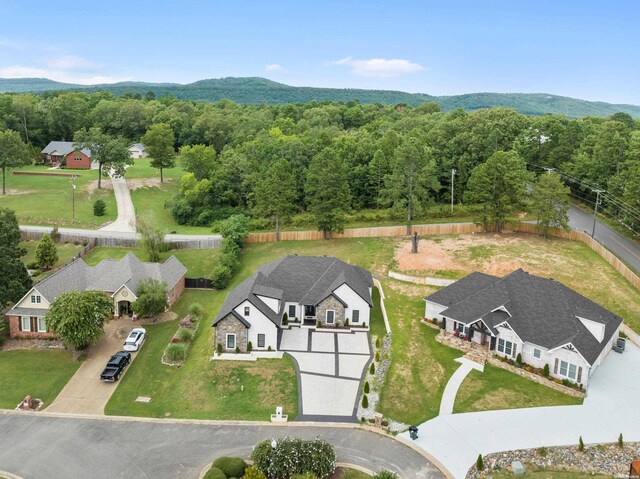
[[66, 251], [377, 326], [548, 474], [42, 374], [496, 388], [47, 200]]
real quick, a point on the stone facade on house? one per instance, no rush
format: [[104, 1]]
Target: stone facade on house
[[231, 325], [327, 304]]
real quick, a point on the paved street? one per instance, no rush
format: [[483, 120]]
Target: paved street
[[126, 221], [610, 408], [36, 446]]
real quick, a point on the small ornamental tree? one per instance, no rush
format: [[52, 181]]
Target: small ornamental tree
[[365, 401], [294, 456], [99, 208], [620, 441], [366, 387], [152, 298], [545, 371], [480, 463], [79, 317], [46, 253], [519, 359], [372, 368], [285, 319], [580, 444]]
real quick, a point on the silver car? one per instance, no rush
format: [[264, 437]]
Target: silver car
[[135, 339]]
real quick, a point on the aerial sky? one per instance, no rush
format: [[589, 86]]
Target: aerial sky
[[585, 49]]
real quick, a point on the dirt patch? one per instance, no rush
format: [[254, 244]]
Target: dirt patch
[[13, 344], [93, 185], [17, 192], [163, 318], [134, 184]]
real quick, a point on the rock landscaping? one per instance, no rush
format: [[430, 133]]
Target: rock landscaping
[[609, 459], [175, 354], [13, 344]]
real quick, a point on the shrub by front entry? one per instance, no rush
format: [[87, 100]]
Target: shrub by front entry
[[215, 473], [231, 466]]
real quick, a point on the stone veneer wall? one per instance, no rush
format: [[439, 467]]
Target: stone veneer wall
[[228, 325], [330, 302]]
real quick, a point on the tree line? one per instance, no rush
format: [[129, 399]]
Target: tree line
[[329, 159]]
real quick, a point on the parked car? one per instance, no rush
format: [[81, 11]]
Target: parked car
[[115, 366], [135, 339]]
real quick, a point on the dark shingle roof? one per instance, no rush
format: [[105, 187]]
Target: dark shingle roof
[[299, 279], [462, 288], [63, 148], [541, 311]]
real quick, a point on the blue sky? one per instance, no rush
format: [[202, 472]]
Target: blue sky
[[583, 49]]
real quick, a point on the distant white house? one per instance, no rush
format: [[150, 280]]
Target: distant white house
[[544, 321], [137, 151]]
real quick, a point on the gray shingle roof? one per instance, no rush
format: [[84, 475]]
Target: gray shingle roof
[[109, 275], [297, 279], [63, 148], [542, 311], [462, 288], [27, 312], [139, 146]]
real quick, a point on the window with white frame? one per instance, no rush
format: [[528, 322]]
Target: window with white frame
[[25, 323], [355, 316], [261, 340], [231, 341], [247, 310], [331, 316], [537, 353], [505, 347], [292, 311], [42, 325], [36, 298], [568, 370], [459, 327]]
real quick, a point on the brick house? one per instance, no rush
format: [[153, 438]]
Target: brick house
[[64, 153], [544, 321], [310, 289], [119, 279]]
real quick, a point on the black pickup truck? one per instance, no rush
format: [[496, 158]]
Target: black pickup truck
[[115, 366]]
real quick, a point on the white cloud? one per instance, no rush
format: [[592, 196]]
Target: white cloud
[[379, 67], [70, 62], [18, 71], [274, 67]]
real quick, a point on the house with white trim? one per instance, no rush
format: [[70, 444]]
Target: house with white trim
[[119, 279], [309, 291], [136, 150], [539, 318]]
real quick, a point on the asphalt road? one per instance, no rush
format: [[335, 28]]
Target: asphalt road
[[623, 248], [38, 446]]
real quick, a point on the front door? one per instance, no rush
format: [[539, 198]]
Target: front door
[[492, 346], [124, 308]]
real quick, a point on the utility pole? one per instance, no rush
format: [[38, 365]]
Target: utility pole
[[453, 172], [73, 198], [595, 211]]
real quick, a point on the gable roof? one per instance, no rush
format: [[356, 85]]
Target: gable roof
[[462, 288], [62, 148], [139, 146], [297, 279], [110, 275], [540, 311]]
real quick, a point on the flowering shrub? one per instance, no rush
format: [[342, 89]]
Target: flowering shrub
[[294, 456], [186, 323]]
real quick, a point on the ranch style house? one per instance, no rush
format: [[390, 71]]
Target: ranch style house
[[544, 321], [137, 151], [64, 153], [311, 291], [117, 278]]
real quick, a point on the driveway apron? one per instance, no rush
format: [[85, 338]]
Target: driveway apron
[[85, 393]]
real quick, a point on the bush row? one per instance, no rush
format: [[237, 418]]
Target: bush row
[[176, 350], [293, 456]]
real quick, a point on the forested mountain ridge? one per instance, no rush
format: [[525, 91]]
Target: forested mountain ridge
[[256, 90]]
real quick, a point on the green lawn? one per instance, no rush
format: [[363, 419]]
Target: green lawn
[[142, 168], [203, 389], [547, 474], [496, 388], [66, 251], [199, 262], [47, 200], [377, 326], [347, 473], [40, 373]]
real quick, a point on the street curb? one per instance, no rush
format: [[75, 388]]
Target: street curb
[[8, 475]]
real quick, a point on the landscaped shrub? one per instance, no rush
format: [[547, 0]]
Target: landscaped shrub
[[294, 456], [231, 466], [545, 371], [269, 349], [365, 401], [185, 335], [366, 387], [196, 310], [253, 473], [176, 352], [346, 322], [580, 444], [285, 319], [372, 368], [377, 357], [386, 475], [215, 473], [219, 348], [480, 463], [620, 440], [249, 346], [186, 323], [237, 349], [306, 475], [519, 359], [99, 208]]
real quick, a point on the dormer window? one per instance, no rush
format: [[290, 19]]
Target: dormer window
[[36, 299]]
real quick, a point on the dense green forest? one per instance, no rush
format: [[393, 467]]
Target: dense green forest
[[255, 91], [331, 159]]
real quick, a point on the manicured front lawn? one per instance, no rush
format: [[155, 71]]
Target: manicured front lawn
[[47, 200], [203, 389], [42, 374], [66, 251], [377, 326], [496, 388], [420, 366]]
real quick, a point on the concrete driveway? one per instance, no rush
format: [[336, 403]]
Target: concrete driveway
[[609, 409], [330, 369], [85, 393], [126, 221]]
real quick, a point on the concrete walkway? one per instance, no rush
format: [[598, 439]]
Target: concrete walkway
[[126, 221], [455, 381], [611, 408], [85, 393]]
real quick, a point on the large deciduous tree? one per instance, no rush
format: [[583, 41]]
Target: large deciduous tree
[[14, 278], [151, 240], [79, 317], [550, 203], [500, 186], [275, 193], [158, 141], [328, 192], [152, 298], [198, 159], [46, 253], [13, 153], [110, 153], [412, 179]]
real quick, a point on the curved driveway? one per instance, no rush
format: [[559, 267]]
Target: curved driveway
[[42, 446]]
